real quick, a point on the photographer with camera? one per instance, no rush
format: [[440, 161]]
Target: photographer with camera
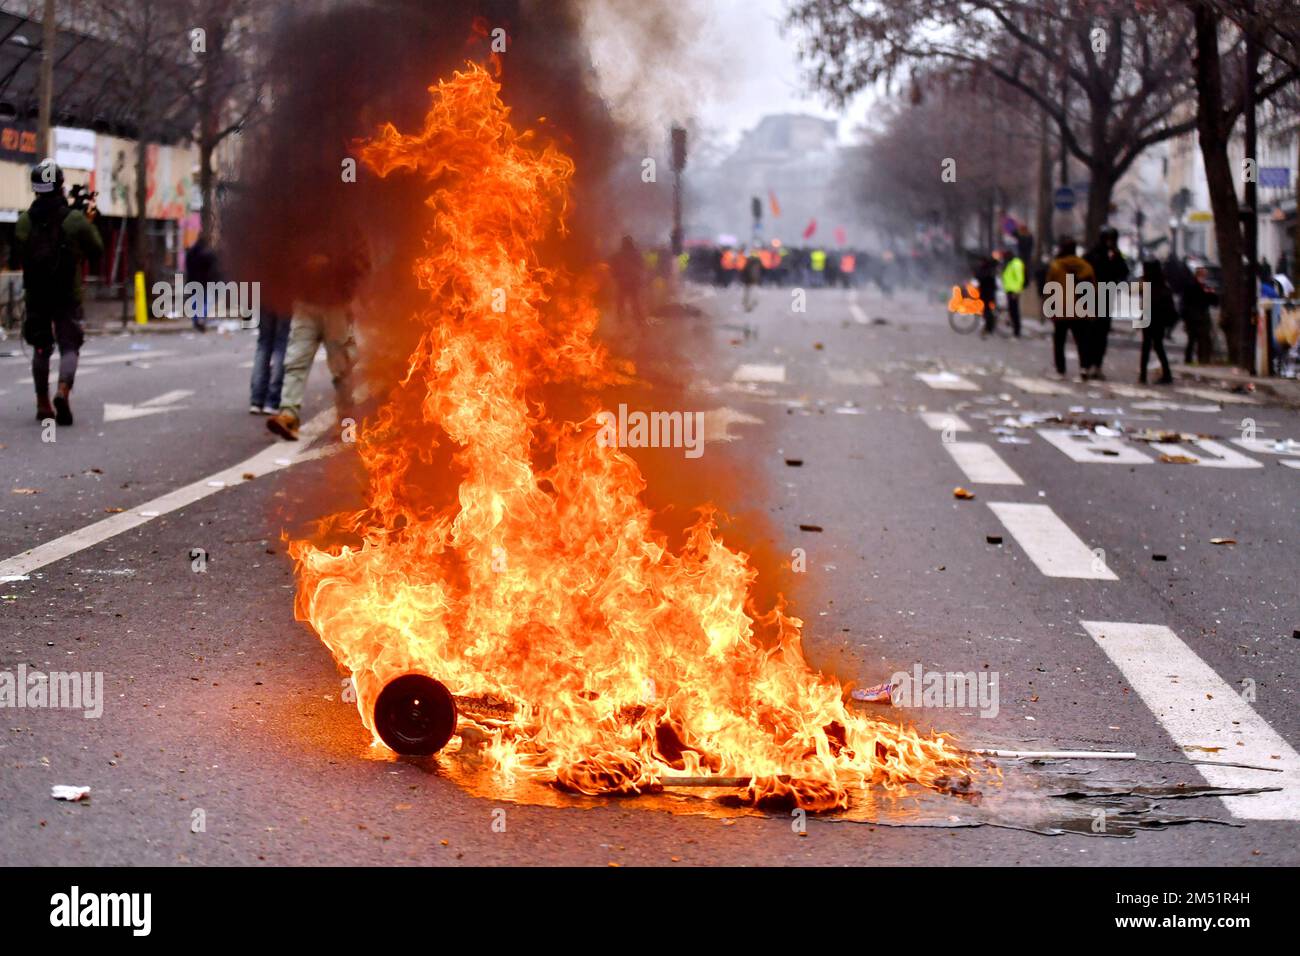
[[52, 239]]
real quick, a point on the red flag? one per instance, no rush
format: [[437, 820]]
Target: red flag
[[811, 228], [841, 237], [771, 201]]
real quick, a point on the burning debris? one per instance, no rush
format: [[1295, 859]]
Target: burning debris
[[537, 614]]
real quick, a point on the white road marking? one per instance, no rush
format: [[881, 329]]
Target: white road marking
[[165, 402], [859, 316], [1055, 550], [853, 376], [1292, 463], [270, 459], [759, 373], [718, 422], [940, 421], [1199, 710], [1225, 456], [1094, 448], [1268, 446], [981, 464], [947, 381], [1039, 386], [1132, 391], [1211, 395]]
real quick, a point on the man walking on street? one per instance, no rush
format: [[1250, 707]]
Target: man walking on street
[[1109, 266], [986, 278], [1065, 320], [1013, 283], [268, 363], [52, 239], [323, 314]]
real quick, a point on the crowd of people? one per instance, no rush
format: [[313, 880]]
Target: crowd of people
[[1169, 291]]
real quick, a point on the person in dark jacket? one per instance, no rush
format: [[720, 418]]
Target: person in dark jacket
[[1197, 300], [1162, 314], [51, 240], [986, 278], [628, 271], [1108, 266], [201, 267]]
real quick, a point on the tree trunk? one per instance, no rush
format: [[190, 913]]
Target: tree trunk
[[1213, 131], [1043, 223], [1100, 190]]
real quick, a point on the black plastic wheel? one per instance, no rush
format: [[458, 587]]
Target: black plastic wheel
[[415, 715]]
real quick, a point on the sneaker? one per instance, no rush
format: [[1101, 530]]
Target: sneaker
[[255, 410], [62, 410], [285, 424], [269, 409]]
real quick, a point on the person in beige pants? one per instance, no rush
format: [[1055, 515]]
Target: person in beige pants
[[311, 326], [322, 314]]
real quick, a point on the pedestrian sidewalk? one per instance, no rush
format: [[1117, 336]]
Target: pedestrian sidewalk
[[104, 317], [1285, 390]]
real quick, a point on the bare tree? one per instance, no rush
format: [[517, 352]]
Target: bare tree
[[1107, 75]]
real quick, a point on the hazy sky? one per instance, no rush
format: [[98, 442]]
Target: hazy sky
[[761, 56], [733, 63]]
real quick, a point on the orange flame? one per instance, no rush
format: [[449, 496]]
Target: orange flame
[[970, 304], [544, 584]]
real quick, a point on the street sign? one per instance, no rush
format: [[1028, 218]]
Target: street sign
[[1063, 198], [1277, 177]]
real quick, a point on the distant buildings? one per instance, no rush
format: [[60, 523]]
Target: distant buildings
[[790, 158]]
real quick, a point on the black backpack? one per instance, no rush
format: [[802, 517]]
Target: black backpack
[[49, 265]]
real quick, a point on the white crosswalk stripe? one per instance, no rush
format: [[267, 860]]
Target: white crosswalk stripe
[[1048, 541], [981, 464], [944, 421], [853, 376], [1039, 386], [947, 381], [1219, 456], [1202, 712], [1090, 448], [759, 373]]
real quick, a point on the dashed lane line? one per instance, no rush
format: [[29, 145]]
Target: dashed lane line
[[1203, 713], [1050, 544], [270, 459]]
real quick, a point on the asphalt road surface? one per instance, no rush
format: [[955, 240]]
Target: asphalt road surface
[[1108, 615]]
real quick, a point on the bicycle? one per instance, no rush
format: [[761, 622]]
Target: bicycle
[[966, 312]]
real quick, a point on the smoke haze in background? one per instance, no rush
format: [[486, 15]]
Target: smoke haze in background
[[339, 73]]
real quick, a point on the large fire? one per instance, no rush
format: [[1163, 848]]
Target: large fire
[[543, 585]]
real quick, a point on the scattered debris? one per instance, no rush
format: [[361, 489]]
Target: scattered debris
[[963, 494], [880, 694], [113, 511], [1177, 459], [1159, 557], [61, 791], [993, 538], [794, 462], [27, 491], [1223, 541], [810, 527]]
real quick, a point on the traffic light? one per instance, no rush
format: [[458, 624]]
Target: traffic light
[[679, 149]]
